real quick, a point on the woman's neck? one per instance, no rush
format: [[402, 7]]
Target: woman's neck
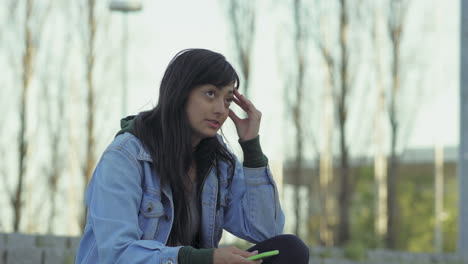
[[195, 141], [193, 172]]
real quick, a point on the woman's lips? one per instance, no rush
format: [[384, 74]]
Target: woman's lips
[[213, 123]]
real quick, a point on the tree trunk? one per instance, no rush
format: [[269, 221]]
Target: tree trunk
[[392, 202], [90, 145], [328, 200], [344, 197], [396, 22], [22, 137], [57, 136], [297, 110], [380, 160], [299, 148], [327, 194], [439, 198], [393, 208], [242, 21]]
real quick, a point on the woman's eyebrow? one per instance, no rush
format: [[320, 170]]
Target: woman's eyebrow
[[229, 92]]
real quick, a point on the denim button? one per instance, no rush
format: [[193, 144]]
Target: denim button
[[150, 207]]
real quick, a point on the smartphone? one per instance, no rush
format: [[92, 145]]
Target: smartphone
[[264, 255]]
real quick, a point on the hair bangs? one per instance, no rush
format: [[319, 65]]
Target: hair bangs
[[220, 74]]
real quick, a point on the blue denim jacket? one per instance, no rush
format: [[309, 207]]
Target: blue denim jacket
[[130, 214]]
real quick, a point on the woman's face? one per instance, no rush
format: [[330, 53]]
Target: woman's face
[[207, 109]]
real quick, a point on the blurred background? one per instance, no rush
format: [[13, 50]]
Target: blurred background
[[360, 103]]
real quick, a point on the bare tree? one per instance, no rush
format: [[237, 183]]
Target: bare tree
[[22, 141], [55, 117], [30, 41], [341, 82], [380, 160], [90, 159], [4, 179], [242, 22], [293, 51], [56, 164], [328, 201], [296, 107], [346, 182], [395, 24], [328, 219]]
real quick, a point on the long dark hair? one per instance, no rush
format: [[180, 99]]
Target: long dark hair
[[166, 133]]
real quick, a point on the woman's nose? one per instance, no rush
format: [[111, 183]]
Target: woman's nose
[[220, 107]]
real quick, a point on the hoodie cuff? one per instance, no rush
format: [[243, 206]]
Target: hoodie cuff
[[190, 255], [253, 155]]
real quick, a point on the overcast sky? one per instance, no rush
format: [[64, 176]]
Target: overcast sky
[[161, 30]]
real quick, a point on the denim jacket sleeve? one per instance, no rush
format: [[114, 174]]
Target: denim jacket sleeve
[[253, 209], [114, 198]]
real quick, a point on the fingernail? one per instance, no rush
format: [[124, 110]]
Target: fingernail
[[255, 252]]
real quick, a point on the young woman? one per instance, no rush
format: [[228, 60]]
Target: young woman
[[167, 186]]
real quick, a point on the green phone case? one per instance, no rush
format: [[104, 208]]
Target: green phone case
[[264, 255]]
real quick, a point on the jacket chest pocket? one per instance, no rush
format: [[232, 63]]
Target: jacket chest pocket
[[151, 210]]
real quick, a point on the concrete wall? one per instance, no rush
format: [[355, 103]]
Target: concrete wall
[[46, 249], [18, 248]]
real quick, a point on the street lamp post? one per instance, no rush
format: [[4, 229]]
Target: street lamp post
[[463, 145], [125, 6]]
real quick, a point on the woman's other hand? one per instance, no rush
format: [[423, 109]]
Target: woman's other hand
[[233, 255]]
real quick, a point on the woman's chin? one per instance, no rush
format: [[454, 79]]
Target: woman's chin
[[211, 135]]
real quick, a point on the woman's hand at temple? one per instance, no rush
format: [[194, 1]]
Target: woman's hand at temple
[[247, 128]]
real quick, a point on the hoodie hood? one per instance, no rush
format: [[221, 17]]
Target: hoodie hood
[[126, 125]]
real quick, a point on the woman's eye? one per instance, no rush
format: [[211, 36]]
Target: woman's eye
[[210, 94], [229, 100]]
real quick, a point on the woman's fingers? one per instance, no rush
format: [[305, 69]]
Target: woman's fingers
[[237, 94], [241, 252], [243, 260], [233, 255], [243, 102], [253, 113], [236, 101], [245, 254], [233, 116]]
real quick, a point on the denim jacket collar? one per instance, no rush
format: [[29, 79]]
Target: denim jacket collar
[[144, 155]]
